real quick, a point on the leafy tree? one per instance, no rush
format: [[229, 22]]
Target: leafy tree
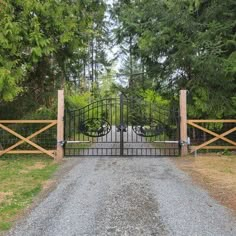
[[185, 44], [43, 45]]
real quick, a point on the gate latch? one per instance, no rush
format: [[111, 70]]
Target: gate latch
[[188, 142], [120, 128]]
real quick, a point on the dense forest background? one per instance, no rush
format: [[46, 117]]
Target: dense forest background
[[95, 48]]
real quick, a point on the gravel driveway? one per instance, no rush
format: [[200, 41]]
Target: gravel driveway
[[126, 196]]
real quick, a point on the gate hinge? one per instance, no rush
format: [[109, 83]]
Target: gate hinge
[[62, 143]]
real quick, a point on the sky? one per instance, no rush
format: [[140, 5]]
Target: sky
[[112, 51]]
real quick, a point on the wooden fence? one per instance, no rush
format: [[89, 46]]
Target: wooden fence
[[56, 153], [231, 144], [39, 149], [223, 137]]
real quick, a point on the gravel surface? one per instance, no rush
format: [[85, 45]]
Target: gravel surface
[[126, 196]]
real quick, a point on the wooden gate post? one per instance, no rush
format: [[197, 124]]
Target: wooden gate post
[[60, 125], [183, 122]]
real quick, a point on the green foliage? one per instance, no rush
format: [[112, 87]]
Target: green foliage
[[187, 44], [8, 85], [43, 113], [107, 86], [226, 152], [78, 100], [43, 44], [46, 45], [5, 226], [153, 97]]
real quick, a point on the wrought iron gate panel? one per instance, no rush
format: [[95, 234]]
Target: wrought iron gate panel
[[122, 127]]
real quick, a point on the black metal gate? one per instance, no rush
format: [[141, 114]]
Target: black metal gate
[[122, 127]]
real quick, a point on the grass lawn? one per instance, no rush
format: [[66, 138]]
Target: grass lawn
[[21, 178], [215, 173]]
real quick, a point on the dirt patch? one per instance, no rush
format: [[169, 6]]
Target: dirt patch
[[4, 195], [36, 166], [217, 174], [48, 184]]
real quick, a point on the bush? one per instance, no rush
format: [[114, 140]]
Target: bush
[[78, 100]]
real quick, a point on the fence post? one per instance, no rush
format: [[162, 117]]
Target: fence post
[[183, 122], [60, 125]]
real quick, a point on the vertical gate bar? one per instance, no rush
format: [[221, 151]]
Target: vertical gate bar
[[97, 115], [121, 126], [97, 107], [78, 125], [67, 131], [74, 126], [106, 118], [88, 109], [65, 125], [132, 122], [110, 117], [93, 110], [127, 121], [102, 117], [177, 134], [115, 120]]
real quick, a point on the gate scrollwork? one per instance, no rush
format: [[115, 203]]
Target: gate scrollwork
[[149, 129], [95, 127]]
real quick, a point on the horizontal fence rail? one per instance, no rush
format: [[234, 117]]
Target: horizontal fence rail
[[40, 135], [212, 134]]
